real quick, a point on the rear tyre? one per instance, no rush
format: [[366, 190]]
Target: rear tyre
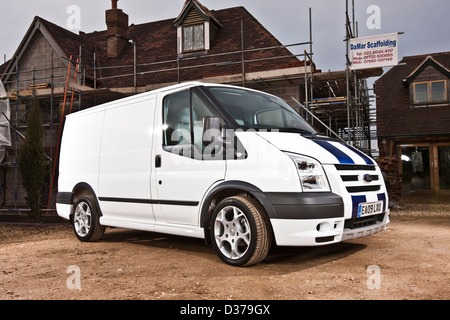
[[240, 231], [86, 219]]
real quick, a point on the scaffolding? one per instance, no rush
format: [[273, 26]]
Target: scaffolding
[[341, 101], [343, 106], [337, 103]]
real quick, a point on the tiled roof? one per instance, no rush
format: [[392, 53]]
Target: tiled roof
[[156, 42], [70, 42]]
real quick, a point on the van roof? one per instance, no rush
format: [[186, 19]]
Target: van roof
[[144, 95], [134, 97]]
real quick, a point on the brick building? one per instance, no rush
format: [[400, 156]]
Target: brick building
[[413, 120], [227, 46]]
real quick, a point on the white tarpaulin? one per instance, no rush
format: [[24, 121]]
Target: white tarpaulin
[[374, 52], [5, 113]]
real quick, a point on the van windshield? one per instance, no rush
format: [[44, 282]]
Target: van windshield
[[258, 110]]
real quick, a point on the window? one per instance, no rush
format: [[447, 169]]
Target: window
[[193, 37], [421, 93], [430, 92], [183, 116], [438, 91], [256, 110], [177, 119]]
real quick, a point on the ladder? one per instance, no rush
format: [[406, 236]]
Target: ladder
[[51, 203]]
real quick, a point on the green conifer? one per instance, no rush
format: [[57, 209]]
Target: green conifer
[[32, 164]]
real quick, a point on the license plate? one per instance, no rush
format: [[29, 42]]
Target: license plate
[[370, 208]]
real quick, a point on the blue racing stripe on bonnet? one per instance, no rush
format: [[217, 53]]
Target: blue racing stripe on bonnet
[[342, 157]]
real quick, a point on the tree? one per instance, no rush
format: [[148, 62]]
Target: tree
[[32, 164]]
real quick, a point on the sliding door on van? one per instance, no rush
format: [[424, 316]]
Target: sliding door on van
[[183, 174], [126, 163]]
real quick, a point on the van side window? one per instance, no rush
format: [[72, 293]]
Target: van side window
[[183, 114], [177, 119]]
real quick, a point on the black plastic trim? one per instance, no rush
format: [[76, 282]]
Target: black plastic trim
[[64, 198], [355, 167], [364, 221], [148, 201], [235, 185], [324, 239], [363, 188], [283, 205], [306, 206]]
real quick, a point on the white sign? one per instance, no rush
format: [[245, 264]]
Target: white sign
[[374, 51]]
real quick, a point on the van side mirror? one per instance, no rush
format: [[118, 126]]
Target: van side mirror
[[211, 130]]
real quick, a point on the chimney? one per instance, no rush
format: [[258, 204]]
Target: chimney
[[117, 27]]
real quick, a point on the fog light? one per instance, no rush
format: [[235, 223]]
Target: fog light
[[323, 226]]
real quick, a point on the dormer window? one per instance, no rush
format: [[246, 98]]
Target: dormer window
[[196, 28], [194, 37], [430, 92], [429, 84]]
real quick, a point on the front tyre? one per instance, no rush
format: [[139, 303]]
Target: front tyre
[[86, 215], [240, 231]]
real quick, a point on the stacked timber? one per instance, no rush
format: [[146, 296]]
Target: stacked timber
[[389, 167]]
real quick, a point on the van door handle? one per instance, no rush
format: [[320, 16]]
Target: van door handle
[[158, 161]]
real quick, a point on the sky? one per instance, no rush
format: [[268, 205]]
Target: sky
[[425, 23]]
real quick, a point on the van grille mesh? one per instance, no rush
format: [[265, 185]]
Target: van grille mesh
[[363, 222], [352, 175]]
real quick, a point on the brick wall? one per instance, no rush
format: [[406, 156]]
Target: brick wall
[[396, 114]]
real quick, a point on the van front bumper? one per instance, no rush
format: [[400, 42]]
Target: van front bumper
[[318, 232], [314, 219], [306, 219]]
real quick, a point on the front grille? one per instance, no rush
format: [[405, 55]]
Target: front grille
[[364, 221], [354, 167], [354, 178], [363, 188], [347, 178]]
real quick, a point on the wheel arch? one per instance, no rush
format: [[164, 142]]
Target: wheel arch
[[85, 187], [229, 189]]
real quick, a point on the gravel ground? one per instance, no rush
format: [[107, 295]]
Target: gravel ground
[[410, 260]]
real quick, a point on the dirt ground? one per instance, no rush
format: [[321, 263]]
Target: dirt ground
[[410, 260]]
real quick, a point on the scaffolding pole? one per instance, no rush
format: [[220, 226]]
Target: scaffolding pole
[[347, 110]]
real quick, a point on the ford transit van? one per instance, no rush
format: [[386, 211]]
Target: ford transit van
[[237, 167]]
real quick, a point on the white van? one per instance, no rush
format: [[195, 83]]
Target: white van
[[236, 167]]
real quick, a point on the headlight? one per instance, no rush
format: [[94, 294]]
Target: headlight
[[311, 174]]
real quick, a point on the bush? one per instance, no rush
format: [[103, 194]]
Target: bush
[[32, 164]]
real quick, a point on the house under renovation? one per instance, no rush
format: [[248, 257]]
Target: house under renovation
[[67, 72]]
